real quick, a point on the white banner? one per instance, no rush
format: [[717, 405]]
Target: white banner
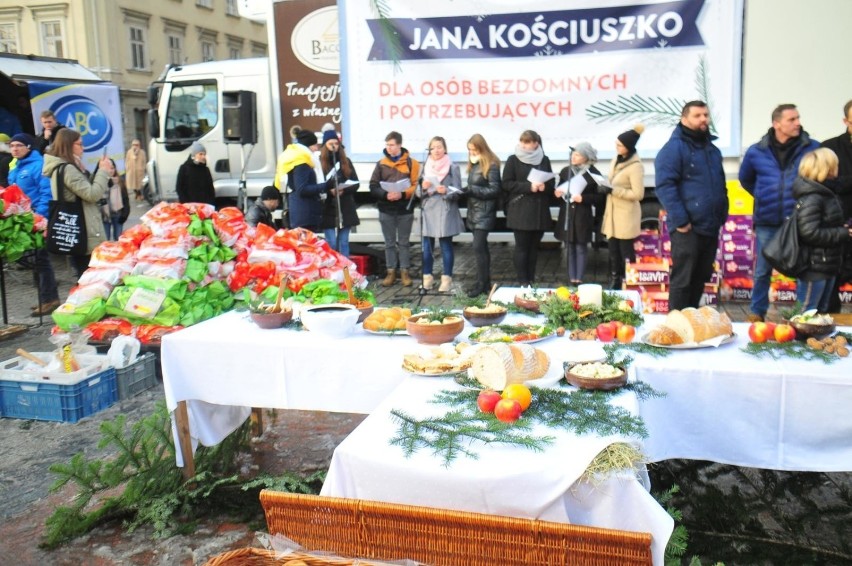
[[572, 70], [93, 110]]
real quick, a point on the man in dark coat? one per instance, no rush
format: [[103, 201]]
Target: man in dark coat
[[691, 187], [768, 170], [48, 133], [261, 211], [842, 185], [194, 181]]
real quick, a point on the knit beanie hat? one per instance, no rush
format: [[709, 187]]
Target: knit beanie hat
[[329, 135], [24, 139], [586, 150], [306, 138], [270, 193], [631, 137], [196, 147]]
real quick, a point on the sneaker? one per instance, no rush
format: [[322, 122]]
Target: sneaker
[[46, 308], [754, 317]]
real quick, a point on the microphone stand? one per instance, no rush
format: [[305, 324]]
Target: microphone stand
[[339, 227]]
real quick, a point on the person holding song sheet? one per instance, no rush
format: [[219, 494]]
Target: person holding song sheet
[[439, 191], [483, 194], [393, 183], [65, 156], [528, 182], [577, 194], [623, 214], [339, 214]]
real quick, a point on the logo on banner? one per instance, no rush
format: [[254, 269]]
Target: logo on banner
[[82, 114], [563, 32], [316, 41]]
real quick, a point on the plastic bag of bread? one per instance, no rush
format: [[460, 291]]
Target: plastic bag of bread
[[691, 326], [497, 365]]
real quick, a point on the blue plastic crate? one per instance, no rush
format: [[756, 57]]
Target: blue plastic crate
[[46, 400]]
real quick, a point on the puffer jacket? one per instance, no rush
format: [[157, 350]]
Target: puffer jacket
[[440, 213], [389, 170], [526, 210], [821, 230], [761, 175], [27, 174], [690, 183], [483, 193], [623, 214], [77, 183]]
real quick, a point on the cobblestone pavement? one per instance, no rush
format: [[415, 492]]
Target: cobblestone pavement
[[292, 440]]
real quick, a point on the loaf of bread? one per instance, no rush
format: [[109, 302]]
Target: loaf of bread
[[689, 326], [497, 365]]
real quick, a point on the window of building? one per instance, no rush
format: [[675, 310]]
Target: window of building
[[138, 60], [234, 53], [52, 42], [204, 3], [231, 8], [208, 51], [193, 111], [175, 49], [8, 38], [258, 50]]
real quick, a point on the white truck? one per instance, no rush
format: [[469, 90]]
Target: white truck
[[769, 62]]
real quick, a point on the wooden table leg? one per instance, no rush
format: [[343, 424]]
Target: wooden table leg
[[256, 421], [184, 440]]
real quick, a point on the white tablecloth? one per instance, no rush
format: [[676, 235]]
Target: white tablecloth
[[509, 481], [727, 406]]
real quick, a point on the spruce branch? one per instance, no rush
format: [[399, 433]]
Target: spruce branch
[[702, 85], [795, 349], [653, 110]]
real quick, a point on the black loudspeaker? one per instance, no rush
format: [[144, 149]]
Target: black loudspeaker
[[239, 116]]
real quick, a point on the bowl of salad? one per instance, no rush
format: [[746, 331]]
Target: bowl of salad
[[434, 327], [809, 324]]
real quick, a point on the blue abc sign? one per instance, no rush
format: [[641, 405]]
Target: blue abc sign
[[82, 114]]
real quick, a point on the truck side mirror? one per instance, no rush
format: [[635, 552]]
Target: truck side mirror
[[153, 123], [153, 95]]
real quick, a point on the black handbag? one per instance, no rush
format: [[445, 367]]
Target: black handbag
[[66, 223], [784, 251]]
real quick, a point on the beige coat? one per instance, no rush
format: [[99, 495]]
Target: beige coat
[[623, 213], [134, 164], [89, 192]]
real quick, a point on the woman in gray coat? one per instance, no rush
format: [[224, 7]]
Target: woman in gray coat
[[439, 191], [67, 148]]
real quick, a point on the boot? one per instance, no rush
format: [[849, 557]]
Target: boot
[[390, 279], [614, 281], [446, 283], [406, 278], [428, 281], [477, 289]]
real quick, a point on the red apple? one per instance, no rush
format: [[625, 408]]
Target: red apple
[[507, 410], [771, 327], [606, 333], [630, 302], [615, 325], [626, 333], [759, 332], [784, 333], [487, 400]]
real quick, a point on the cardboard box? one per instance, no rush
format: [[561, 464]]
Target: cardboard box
[[737, 244], [740, 202], [646, 273], [738, 269]]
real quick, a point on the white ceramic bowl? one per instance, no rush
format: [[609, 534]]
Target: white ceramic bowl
[[335, 320]]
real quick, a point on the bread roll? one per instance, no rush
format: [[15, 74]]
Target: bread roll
[[664, 336], [691, 326]]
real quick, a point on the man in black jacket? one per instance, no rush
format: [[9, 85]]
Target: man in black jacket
[[842, 146], [48, 134], [261, 211]]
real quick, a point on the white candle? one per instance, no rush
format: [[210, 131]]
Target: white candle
[[590, 294]]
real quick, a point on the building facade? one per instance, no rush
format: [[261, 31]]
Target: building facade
[[128, 42]]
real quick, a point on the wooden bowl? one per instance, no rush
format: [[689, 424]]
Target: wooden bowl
[[806, 330], [270, 320], [525, 303], [365, 312], [433, 333], [603, 383], [477, 318]]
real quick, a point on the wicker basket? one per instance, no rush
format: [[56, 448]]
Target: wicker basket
[[263, 557], [387, 531]]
